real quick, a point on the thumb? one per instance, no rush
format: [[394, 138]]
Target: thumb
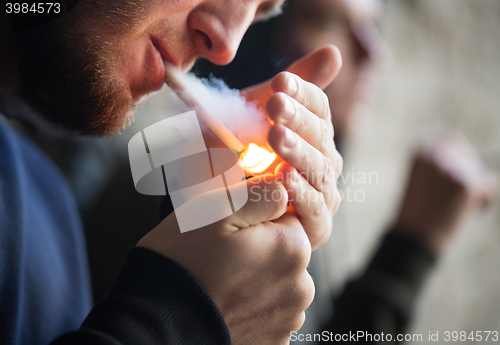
[[267, 200], [319, 67]]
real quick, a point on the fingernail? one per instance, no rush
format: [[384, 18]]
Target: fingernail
[[291, 86], [290, 138], [289, 109]]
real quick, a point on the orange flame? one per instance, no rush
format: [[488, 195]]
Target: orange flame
[[257, 159]]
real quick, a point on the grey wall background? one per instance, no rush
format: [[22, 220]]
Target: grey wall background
[[445, 72]]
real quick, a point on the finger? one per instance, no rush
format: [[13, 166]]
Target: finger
[[283, 109], [319, 67], [267, 200], [319, 170], [309, 205], [305, 93]]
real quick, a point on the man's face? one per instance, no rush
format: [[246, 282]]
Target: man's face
[[88, 69], [350, 25]]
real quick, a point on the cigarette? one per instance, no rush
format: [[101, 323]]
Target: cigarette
[[205, 115]]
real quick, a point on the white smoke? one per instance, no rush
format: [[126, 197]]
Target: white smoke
[[246, 120]]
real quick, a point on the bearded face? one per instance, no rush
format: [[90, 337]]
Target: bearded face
[[68, 72], [89, 68]]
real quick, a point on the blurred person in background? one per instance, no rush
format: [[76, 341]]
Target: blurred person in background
[[447, 182]]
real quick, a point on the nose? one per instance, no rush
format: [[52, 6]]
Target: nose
[[218, 30]]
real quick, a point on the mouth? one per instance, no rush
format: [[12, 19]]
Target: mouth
[[161, 55], [148, 75], [144, 69]]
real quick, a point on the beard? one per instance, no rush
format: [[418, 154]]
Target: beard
[[66, 73]]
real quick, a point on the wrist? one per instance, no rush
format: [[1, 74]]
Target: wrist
[[425, 237]]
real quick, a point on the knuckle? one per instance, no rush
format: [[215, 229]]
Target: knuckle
[[307, 159], [296, 250], [295, 322], [309, 94], [305, 194], [325, 113], [301, 255], [302, 123], [322, 234], [325, 139], [305, 290], [320, 206], [327, 175]]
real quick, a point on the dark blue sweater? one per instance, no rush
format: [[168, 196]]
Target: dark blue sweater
[[44, 278]]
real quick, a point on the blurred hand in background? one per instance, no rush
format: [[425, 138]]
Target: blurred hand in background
[[448, 182]]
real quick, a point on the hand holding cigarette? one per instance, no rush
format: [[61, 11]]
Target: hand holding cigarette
[[264, 248], [253, 264]]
